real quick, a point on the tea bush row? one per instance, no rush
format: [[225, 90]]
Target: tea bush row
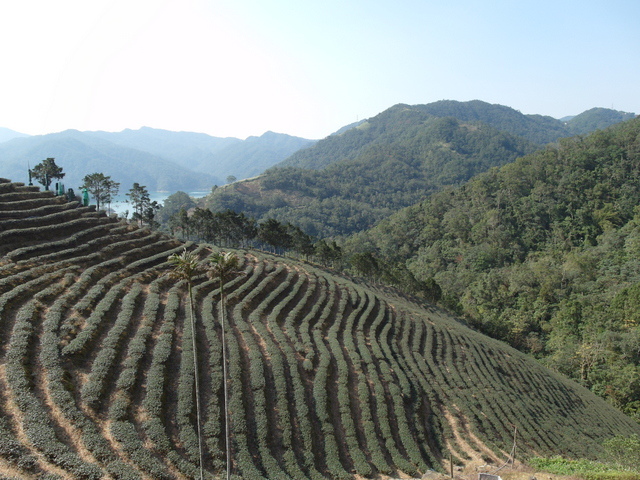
[[294, 371], [384, 404], [393, 376], [322, 386], [304, 344], [258, 374], [345, 382], [239, 387], [279, 372], [36, 422], [103, 364], [63, 398], [39, 221], [364, 364], [153, 401]]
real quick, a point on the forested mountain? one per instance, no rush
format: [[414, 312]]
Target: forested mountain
[[120, 358], [543, 253], [350, 180], [221, 157], [388, 125], [596, 119], [351, 195]]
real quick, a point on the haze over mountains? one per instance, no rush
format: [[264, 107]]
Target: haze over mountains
[[169, 161], [159, 159]]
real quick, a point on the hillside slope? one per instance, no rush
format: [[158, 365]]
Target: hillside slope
[[542, 253], [349, 181], [328, 378], [410, 157], [389, 124]]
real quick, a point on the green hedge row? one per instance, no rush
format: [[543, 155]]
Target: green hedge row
[[259, 372], [423, 402], [97, 319], [342, 327], [267, 328], [367, 367], [104, 362], [37, 424], [63, 396], [295, 370], [245, 456], [322, 385], [156, 385]]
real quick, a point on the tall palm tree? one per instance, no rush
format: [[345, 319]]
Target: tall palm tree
[[185, 267], [223, 267]]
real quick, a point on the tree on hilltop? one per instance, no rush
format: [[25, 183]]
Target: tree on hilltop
[[46, 171], [100, 187], [144, 210]]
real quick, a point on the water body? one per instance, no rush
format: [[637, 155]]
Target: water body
[[121, 203]]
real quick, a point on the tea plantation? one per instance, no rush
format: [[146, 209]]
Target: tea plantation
[[327, 378]]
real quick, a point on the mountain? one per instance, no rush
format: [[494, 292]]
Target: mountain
[[7, 134], [596, 119], [542, 253], [257, 154], [395, 170], [327, 378], [390, 123], [349, 181], [221, 157], [79, 154], [159, 159]]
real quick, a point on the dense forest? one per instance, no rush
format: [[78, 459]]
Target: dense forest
[[354, 194], [349, 181], [543, 253]]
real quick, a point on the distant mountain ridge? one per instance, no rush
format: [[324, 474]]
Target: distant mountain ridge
[[386, 125], [159, 159], [204, 153], [7, 134], [80, 154]]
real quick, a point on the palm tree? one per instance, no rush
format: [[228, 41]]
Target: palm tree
[[185, 267], [223, 267]]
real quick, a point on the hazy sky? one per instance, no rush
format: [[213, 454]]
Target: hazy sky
[[305, 67]]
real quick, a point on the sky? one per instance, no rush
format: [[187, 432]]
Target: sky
[[236, 68]]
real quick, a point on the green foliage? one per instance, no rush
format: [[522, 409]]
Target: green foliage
[[46, 171], [144, 209], [624, 451], [595, 119], [172, 205], [348, 182], [403, 157], [590, 470], [541, 253], [101, 188]]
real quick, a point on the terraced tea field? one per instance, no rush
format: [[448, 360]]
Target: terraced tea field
[[327, 378]]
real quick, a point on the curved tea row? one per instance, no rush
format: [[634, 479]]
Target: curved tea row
[[326, 378]]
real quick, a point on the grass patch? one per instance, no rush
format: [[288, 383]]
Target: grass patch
[[586, 469]]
